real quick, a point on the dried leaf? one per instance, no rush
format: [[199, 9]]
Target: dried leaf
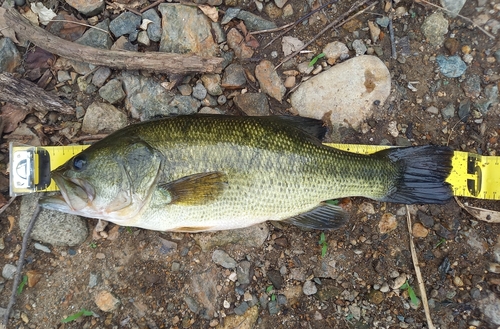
[[481, 214], [249, 39], [31, 16], [12, 115], [12, 220], [67, 30], [5, 30], [290, 44], [44, 14], [210, 12], [39, 58], [145, 23]]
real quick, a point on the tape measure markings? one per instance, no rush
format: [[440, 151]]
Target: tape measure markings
[[473, 175]]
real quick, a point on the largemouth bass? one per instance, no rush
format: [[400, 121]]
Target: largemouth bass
[[214, 172]]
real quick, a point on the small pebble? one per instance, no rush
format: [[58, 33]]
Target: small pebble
[[9, 271], [221, 258], [100, 255], [41, 247], [106, 301], [309, 288]]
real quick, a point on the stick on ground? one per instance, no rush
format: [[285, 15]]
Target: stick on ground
[[20, 264], [129, 60], [420, 280]]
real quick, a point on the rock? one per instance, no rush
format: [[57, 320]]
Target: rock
[[493, 268], [387, 223], [464, 110], [106, 301], [112, 91], [287, 11], [146, 98], [275, 278], [244, 272], [273, 307], [142, 38], [185, 89], [103, 118], [229, 15], [253, 104], [383, 21], [199, 91], [253, 236], [359, 47], [63, 76], [123, 43], [305, 68], [254, 22], [367, 208], [472, 86], [183, 105], [425, 219], [204, 289], [290, 82], [269, 81], [347, 91], [448, 112], [280, 3], [309, 288], [154, 28], [52, 227], [385, 287], [434, 28], [100, 76], [221, 258], [355, 310], [392, 128], [97, 38], [212, 83], [399, 281], [245, 321], [490, 97], [453, 7], [419, 231], [335, 50], [374, 31], [9, 271], [87, 7], [452, 45], [490, 307], [241, 309], [376, 297], [451, 67], [10, 58], [433, 110], [234, 77], [186, 30], [125, 23], [41, 247], [236, 42], [33, 278]]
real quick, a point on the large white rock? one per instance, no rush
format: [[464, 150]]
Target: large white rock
[[348, 92]]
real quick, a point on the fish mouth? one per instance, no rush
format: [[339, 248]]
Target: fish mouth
[[76, 194]]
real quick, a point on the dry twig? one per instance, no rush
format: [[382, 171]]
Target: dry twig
[[20, 264], [420, 280], [154, 4], [7, 204], [130, 60]]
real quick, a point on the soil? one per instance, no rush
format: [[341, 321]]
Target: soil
[[154, 292]]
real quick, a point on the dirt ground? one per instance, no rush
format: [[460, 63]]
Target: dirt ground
[[156, 286]]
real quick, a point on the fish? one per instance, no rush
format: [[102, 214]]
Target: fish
[[217, 172]]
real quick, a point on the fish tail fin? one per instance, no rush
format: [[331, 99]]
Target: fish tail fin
[[422, 174]]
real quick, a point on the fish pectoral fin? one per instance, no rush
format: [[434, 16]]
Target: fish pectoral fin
[[196, 189], [323, 217]]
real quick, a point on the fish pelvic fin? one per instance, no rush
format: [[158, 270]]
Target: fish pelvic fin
[[196, 189], [422, 171], [323, 217]]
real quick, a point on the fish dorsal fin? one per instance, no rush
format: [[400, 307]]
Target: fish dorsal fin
[[196, 189], [313, 127], [323, 217]]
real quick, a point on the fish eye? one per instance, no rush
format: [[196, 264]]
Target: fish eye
[[79, 162]]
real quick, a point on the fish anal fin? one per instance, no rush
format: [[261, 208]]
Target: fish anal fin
[[196, 189], [323, 217]]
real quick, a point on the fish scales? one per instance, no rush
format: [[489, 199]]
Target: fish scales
[[271, 169]]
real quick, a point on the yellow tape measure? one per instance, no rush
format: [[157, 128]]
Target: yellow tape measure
[[472, 176]]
